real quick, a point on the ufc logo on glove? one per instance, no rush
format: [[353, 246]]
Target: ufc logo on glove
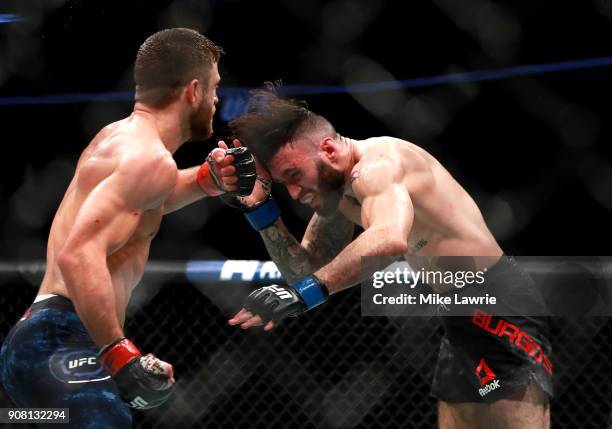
[[280, 292]]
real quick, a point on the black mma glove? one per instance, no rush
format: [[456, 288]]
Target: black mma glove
[[259, 208], [208, 176], [143, 381], [275, 302]]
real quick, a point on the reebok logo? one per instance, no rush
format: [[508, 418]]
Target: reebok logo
[[484, 373], [489, 388], [487, 378]]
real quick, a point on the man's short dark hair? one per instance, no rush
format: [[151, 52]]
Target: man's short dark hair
[[169, 59], [272, 121]]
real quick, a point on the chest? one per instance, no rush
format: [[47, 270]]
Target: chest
[[148, 225]]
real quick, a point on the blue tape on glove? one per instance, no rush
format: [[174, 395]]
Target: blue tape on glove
[[311, 290], [264, 215]]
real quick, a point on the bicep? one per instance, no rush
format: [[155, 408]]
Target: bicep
[[325, 237], [391, 207]]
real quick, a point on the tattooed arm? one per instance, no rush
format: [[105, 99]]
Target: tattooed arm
[[324, 238], [386, 215]]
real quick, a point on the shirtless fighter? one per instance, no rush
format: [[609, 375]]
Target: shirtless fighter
[[69, 349], [408, 204]]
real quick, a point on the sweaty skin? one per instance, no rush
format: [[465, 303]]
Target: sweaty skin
[[106, 221], [406, 201], [400, 194], [408, 204], [125, 181]]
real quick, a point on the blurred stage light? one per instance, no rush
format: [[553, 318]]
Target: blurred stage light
[[7, 18]]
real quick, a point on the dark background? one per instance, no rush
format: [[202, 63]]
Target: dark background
[[533, 151]]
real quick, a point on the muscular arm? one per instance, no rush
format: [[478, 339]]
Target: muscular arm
[[186, 191], [106, 220], [324, 238], [387, 216]]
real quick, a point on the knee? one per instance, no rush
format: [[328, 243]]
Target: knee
[[528, 407]]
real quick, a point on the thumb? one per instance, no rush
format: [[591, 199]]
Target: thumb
[[218, 154]]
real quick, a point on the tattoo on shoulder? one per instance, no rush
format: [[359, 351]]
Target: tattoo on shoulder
[[355, 175]]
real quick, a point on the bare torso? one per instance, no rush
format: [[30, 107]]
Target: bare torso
[[447, 221], [126, 263]]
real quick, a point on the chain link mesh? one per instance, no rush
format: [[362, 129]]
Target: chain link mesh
[[329, 369]]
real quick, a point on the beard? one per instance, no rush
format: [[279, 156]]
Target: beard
[[200, 122], [331, 188]]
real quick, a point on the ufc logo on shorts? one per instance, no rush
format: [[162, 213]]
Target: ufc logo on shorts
[[280, 292], [138, 402], [80, 362]]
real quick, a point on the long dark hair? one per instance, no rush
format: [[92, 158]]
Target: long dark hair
[[271, 121]]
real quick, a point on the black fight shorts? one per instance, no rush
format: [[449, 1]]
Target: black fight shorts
[[483, 357]]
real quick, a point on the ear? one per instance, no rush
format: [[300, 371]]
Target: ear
[[193, 92], [328, 146]]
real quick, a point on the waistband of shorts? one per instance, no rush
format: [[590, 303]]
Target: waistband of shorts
[[503, 260], [56, 302], [505, 265]]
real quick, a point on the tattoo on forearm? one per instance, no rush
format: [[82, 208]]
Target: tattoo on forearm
[[330, 236], [290, 257]]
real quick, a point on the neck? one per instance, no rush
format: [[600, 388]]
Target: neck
[[168, 121], [352, 155]]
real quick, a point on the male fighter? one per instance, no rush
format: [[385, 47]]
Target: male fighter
[[408, 204], [69, 349]]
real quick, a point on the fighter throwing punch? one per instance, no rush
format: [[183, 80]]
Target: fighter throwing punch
[[408, 204], [69, 349]]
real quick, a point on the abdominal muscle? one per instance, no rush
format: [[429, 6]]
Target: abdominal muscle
[[126, 267]]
